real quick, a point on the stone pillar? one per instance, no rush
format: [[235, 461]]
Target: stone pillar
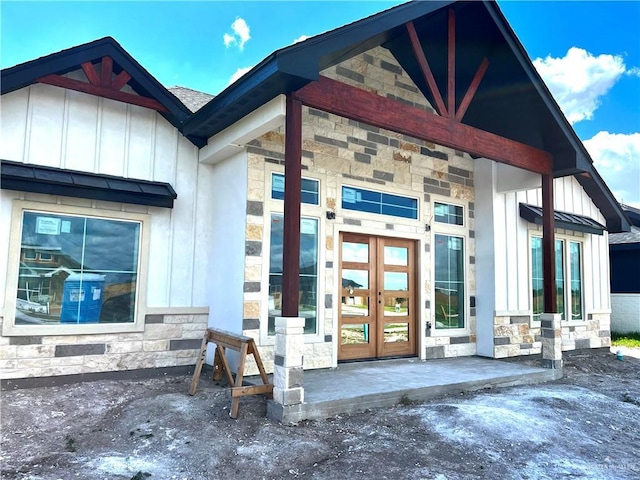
[[287, 368], [550, 324]]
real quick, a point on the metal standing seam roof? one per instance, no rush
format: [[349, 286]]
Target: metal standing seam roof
[[70, 183], [568, 221]]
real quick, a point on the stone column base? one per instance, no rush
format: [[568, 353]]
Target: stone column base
[[551, 330], [288, 372]]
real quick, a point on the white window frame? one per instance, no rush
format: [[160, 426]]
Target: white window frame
[[308, 210], [567, 239], [19, 207], [454, 204], [460, 231]]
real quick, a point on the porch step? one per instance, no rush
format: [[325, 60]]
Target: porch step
[[356, 387]]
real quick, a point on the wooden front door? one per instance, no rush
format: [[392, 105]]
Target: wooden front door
[[377, 315]]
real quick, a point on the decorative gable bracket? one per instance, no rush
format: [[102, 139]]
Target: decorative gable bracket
[[104, 85]]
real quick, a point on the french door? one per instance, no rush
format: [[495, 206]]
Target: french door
[[377, 315]]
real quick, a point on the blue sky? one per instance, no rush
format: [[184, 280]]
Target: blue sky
[[587, 52]]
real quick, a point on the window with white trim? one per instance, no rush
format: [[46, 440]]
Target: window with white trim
[[309, 189], [308, 278], [569, 281], [448, 213], [449, 282], [75, 269]]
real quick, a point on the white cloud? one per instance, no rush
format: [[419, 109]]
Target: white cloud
[[301, 38], [634, 71], [579, 79], [238, 73], [240, 36], [228, 40], [617, 158]]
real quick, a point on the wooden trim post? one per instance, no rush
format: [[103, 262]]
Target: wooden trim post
[[548, 245], [292, 193]]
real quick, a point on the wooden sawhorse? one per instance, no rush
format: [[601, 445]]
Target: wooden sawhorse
[[239, 343]]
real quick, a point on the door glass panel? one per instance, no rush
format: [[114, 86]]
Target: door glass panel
[[396, 332], [355, 306], [396, 306], [395, 256], [355, 279], [396, 281], [355, 252], [355, 334]]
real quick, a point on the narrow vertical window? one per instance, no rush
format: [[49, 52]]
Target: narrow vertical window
[[560, 289], [575, 262], [537, 280], [449, 282], [308, 305]]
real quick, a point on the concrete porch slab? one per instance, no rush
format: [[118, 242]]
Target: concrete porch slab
[[355, 387]]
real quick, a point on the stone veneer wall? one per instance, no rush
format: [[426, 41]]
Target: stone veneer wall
[[515, 335], [167, 341], [338, 150]]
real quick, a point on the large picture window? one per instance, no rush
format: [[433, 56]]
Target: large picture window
[[568, 268], [449, 282], [77, 269], [307, 302]]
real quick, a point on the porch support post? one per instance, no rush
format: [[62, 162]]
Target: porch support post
[[550, 320], [292, 193], [288, 373]]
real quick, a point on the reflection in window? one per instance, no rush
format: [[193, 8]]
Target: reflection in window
[[396, 256], [363, 200], [308, 194], [354, 334], [308, 304], [450, 214], [355, 279], [449, 282], [354, 305], [355, 252], [571, 276], [537, 280], [560, 278], [396, 306], [396, 332], [77, 270], [576, 281], [396, 281]]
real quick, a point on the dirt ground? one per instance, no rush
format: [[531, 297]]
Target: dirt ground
[[586, 425]]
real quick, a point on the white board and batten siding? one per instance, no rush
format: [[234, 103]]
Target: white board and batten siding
[[512, 247], [51, 126]]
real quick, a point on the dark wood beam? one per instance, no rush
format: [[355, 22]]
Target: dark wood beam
[[357, 104], [426, 70], [471, 91], [292, 194], [90, 72], [120, 81], [451, 64], [548, 246], [100, 91], [106, 68]]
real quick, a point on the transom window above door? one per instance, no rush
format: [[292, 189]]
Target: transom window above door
[[370, 201]]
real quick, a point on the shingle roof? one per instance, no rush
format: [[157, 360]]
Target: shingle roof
[[192, 99], [626, 237]]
